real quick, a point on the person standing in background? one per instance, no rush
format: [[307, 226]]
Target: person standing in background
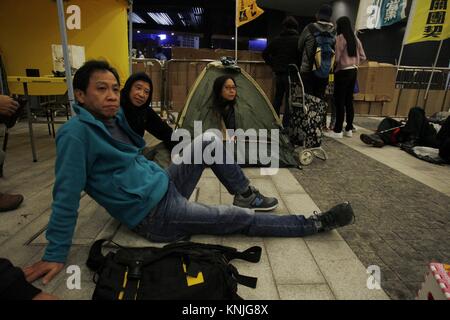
[[279, 54], [160, 55], [314, 76], [349, 54]]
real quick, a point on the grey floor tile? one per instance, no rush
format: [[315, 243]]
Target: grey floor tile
[[305, 292], [292, 262]]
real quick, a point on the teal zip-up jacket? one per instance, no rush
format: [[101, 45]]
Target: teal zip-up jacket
[[113, 173]]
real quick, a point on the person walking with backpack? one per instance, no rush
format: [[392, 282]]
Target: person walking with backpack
[[279, 54], [349, 54], [316, 49]]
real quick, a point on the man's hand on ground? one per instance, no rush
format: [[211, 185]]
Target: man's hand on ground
[[43, 268], [8, 106], [45, 296]]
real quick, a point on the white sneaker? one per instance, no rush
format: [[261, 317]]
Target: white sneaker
[[348, 133], [332, 134]]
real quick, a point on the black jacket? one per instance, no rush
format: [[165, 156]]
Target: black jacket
[[144, 118], [283, 51], [13, 285]]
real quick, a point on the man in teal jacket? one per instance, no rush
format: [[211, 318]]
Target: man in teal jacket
[[98, 152]]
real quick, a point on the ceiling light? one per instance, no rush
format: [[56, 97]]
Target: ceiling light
[[182, 19], [161, 18], [136, 19]]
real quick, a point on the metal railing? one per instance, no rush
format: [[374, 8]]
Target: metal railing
[[419, 77], [416, 80]]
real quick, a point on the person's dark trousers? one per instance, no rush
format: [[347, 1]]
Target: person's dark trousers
[[386, 130], [344, 84], [282, 92], [314, 85]]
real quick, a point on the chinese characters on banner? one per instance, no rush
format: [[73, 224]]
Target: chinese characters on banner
[[374, 14], [392, 11], [429, 21], [247, 10]]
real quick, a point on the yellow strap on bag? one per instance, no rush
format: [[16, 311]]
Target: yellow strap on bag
[[124, 285]]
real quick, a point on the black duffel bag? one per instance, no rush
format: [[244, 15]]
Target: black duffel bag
[[177, 271]]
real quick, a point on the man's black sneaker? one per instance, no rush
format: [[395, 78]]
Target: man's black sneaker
[[255, 201], [372, 139], [338, 216]]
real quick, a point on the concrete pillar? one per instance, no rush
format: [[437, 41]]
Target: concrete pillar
[[347, 8]]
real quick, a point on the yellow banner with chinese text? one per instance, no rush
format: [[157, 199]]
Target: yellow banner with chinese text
[[428, 21]]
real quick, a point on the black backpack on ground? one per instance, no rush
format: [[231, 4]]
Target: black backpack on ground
[[177, 271]]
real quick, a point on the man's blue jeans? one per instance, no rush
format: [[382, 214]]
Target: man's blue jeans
[[176, 218]]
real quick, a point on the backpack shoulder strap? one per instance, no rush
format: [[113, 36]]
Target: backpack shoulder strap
[[96, 259], [243, 280], [252, 254]]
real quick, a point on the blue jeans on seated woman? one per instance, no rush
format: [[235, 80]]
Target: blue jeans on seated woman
[[175, 218]]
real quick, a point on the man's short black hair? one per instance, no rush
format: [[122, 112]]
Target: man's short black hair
[[82, 76], [290, 23]]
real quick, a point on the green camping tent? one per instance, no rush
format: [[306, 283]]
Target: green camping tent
[[253, 111]]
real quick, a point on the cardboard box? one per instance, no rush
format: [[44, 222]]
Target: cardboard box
[[377, 79], [376, 108], [385, 80], [361, 107], [366, 75], [369, 97], [358, 97], [383, 97]]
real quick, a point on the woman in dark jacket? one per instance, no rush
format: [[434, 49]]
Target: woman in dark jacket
[[224, 100], [135, 100]]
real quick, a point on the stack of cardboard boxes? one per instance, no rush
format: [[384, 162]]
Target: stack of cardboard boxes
[[376, 82]]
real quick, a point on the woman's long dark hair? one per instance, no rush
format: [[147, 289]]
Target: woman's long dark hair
[[219, 103], [344, 26], [125, 101]]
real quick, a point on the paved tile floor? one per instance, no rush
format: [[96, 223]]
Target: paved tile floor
[[326, 266], [402, 205]]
